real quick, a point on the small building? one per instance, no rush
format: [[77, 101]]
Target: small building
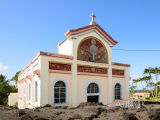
[[12, 99], [141, 95], [82, 71]]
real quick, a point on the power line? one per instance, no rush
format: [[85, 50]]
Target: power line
[[135, 50]]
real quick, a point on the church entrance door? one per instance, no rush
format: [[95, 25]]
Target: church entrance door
[[92, 99]]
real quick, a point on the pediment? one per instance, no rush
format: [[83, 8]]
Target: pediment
[[76, 32]]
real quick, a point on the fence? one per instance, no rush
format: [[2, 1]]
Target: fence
[[127, 103]]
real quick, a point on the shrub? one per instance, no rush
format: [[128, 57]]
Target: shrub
[[158, 97], [147, 98]]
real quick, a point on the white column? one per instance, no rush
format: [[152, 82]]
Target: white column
[[44, 80], [110, 87], [126, 88], [74, 75]]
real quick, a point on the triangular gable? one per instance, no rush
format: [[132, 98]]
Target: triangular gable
[[87, 28]]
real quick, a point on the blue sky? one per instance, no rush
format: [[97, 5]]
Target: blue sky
[[27, 27]]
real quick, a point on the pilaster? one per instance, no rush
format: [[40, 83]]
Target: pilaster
[[127, 82], [74, 74], [44, 80]]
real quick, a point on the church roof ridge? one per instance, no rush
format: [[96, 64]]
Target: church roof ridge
[[96, 26]]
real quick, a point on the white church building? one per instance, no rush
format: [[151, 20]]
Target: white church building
[[81, 71]]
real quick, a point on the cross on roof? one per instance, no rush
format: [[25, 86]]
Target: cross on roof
[[93, 16], [92, 22]]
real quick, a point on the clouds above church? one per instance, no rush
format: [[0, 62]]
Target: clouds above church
[[2, 68]]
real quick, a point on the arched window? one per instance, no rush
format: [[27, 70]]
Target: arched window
[[22, 91], [60, 92], [93, 88], [29, 91], [25, 90], [19, 91], [36, 91], [117, 91]]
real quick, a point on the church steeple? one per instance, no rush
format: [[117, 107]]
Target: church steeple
[[92, 22]]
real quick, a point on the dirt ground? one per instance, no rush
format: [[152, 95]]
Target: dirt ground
[[85, 111]]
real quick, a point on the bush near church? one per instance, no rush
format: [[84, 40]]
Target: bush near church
[[147, 98]]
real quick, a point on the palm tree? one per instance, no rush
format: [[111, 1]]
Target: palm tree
[[141, 80], [147, 78], [136, 81], [156, 71], [132, 88], [15, 77]]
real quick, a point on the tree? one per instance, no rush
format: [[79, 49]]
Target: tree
[[5, 89], [156, 71], [147, 78], [141, 80], [15, 77], [136, 81]]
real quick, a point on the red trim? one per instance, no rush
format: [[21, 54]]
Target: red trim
[[96, 26], [37, 72], [94, 74], [60, 71], [56, 55], [121, 64], [118, 76], [29, 76]]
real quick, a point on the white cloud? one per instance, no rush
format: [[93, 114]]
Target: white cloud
[[5, 67], [136, 76], [12, 83]]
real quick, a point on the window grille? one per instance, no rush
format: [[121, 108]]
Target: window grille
[[60, 92], [36, 91], [117, 91], [93, 88]]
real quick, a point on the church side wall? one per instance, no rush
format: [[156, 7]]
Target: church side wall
[[56, 76], [83, 81], [65, 48]]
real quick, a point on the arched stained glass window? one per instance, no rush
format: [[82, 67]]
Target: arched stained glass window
[[117, 91], [60, 92], [93, 88]]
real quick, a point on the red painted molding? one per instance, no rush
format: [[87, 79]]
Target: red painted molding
[[121, 64], [29, 77], [37, 72], [57, 66], [96, 26], [60, 71], [91, 70], [92, 74], [117, 72], [118, 76]]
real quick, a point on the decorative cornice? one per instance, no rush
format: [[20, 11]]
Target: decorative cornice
[[121, 64], [56, 55], [97, 27]]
